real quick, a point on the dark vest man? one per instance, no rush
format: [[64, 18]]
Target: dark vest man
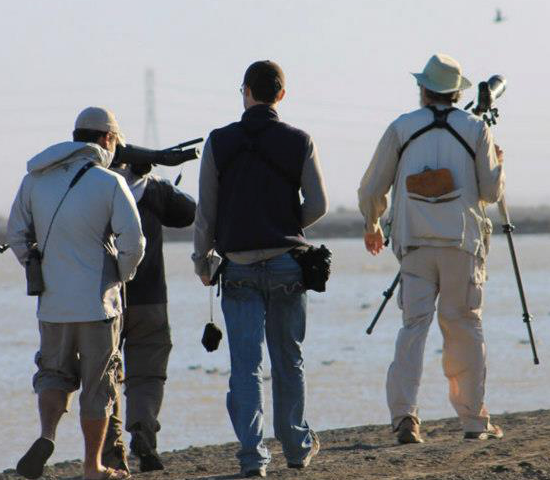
[[249, 211]]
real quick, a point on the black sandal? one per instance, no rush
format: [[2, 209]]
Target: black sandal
[[32, 463]]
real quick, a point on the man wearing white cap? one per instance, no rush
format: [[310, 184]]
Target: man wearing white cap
[[82, 220], [443, 167]]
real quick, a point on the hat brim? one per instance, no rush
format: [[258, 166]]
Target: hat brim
[[423, 80]]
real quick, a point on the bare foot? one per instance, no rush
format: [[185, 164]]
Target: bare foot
[[106, 474]]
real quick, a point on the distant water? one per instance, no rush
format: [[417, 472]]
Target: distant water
[[345, 368]]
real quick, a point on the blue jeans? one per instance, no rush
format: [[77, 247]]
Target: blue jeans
[[266, 301]]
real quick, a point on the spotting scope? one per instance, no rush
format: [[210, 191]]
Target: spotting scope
[[134, 155], [487, 93]]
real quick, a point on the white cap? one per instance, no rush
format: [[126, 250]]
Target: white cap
[[100, 119]]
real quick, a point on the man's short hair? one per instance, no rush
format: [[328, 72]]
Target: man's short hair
[[87, 135], [451, 97], [265, 80]]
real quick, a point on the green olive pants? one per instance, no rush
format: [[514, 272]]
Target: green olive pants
[[146, 345]]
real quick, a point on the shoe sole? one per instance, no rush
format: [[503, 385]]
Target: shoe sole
[[495, 434], [483, 437], [254, 473], [32, 463], [408, 437]]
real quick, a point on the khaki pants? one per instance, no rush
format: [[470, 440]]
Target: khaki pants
[[455, 278], [87, 352], [147, 345]]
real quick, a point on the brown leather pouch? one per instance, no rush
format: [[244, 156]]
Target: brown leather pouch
[[431, 183]]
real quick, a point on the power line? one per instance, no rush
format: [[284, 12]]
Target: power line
[[151, 135]]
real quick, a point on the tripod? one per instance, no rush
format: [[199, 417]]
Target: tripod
[[508, 228]]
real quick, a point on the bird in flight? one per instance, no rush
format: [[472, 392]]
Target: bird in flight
[[498, 16]]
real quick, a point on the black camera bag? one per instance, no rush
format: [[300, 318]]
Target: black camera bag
[[315, 263]]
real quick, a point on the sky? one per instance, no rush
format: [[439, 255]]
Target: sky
[[347, 66]]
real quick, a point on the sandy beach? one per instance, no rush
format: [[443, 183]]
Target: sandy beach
[[346, 369], [371, 452]]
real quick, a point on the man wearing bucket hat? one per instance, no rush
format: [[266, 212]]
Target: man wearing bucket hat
[[84, 222], [443, 167]]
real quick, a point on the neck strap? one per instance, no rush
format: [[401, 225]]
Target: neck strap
[[74, 181]]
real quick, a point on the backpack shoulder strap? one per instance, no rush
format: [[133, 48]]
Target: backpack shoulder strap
[[440, 121], [464, 143], [414, 136]]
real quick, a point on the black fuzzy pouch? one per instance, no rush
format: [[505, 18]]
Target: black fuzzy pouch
[[211, 337], [315, 263]]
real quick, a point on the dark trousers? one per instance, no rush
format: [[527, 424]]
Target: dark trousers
[[146, 345]]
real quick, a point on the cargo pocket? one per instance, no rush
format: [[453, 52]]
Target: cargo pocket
[[486, 232], [436, 218], [475, 289], [112, 379]]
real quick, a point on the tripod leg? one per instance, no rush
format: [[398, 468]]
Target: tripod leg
[[387, 295], [508, 228]]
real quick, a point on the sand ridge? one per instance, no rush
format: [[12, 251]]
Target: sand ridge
[[371, 452]]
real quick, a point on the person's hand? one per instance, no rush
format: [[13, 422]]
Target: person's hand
[[500, 154], [374, 242], [205, 279]]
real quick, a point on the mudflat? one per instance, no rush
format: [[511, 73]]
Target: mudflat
[[371, 452]]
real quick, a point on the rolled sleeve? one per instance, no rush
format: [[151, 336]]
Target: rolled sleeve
[[378, 179]]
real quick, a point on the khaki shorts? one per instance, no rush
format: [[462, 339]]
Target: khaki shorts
[[87, 352]]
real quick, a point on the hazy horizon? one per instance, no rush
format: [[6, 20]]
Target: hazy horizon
[[347, 65]]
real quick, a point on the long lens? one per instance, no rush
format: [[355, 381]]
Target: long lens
[[175, 157], [497, 86], [134, 155], [488, 92]]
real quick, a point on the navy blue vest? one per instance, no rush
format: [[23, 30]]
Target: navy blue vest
[[259, 162], [161, 204]]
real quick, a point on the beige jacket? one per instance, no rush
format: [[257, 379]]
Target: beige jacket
[[457, 221]]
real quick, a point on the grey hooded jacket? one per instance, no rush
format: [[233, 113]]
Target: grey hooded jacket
[[95, 241]]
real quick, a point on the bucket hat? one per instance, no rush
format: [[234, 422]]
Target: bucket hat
[[442, 74]]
